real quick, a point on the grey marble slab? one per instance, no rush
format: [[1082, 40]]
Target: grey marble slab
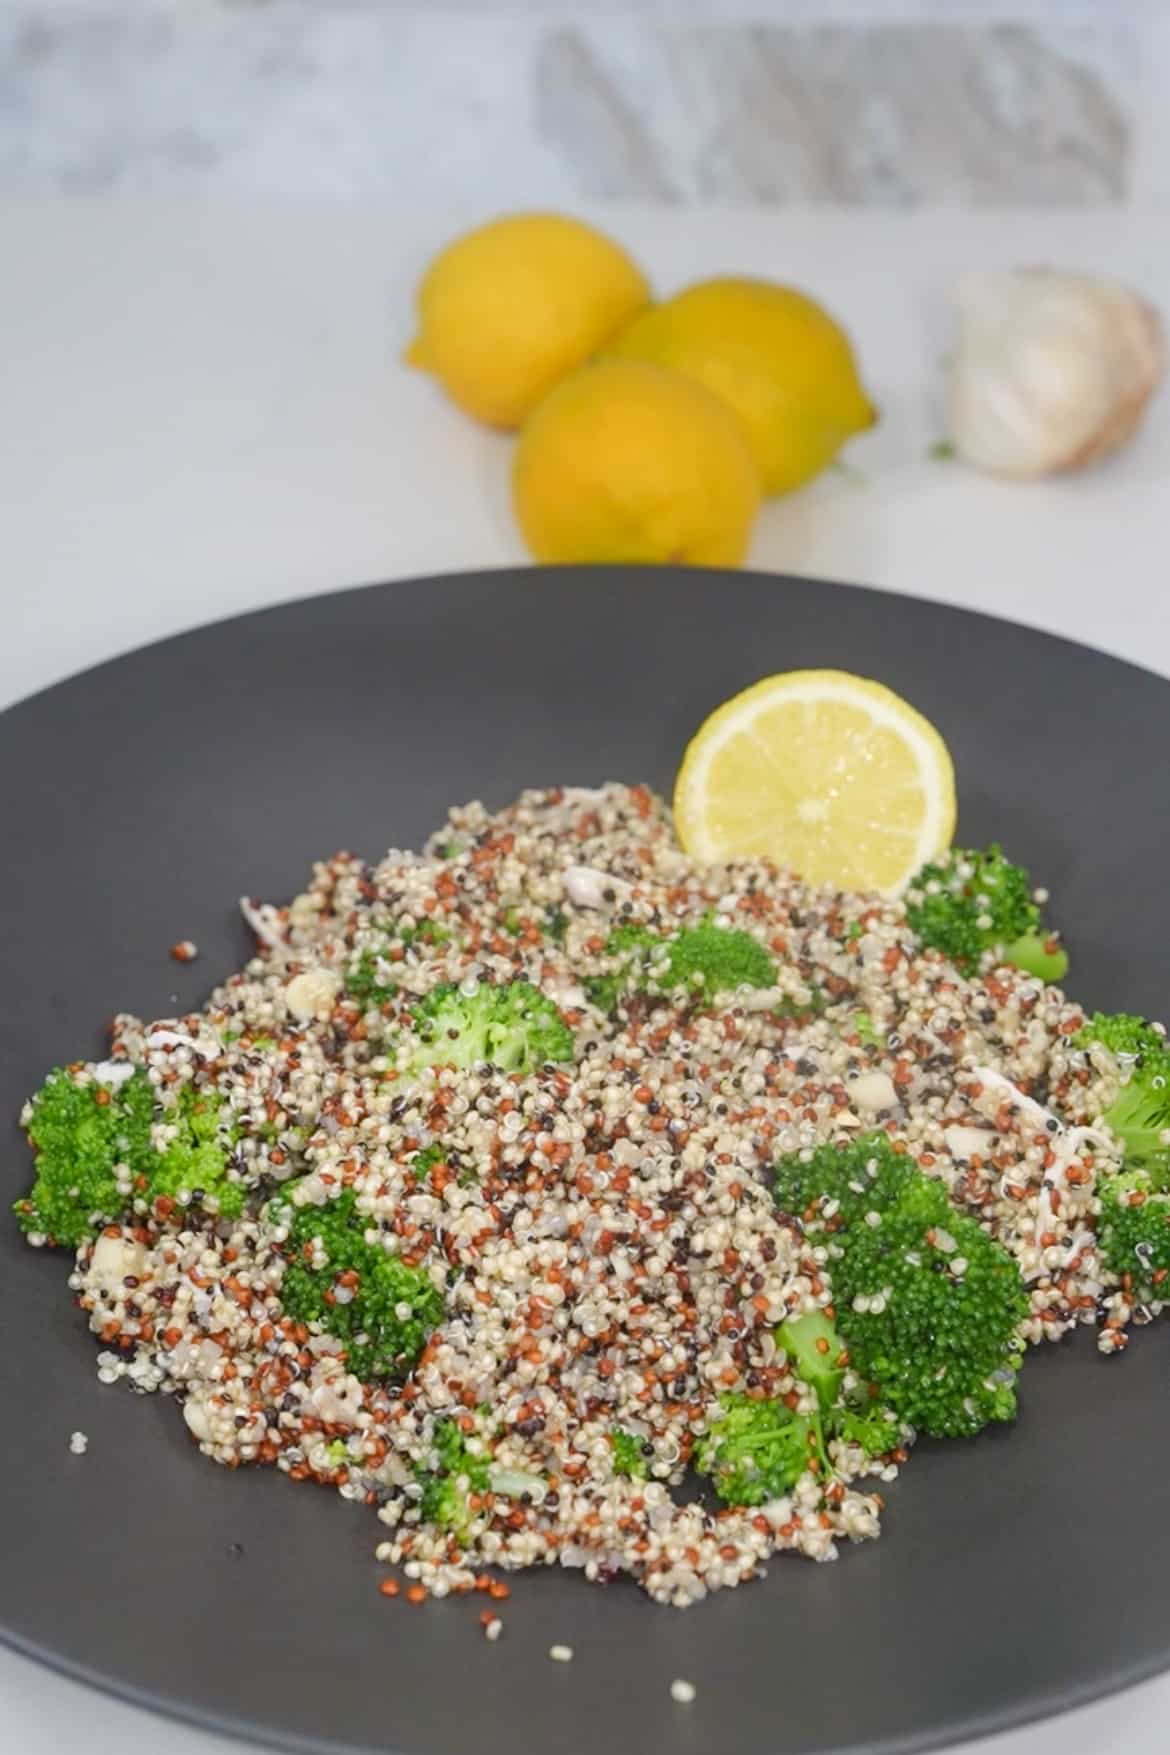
[[882, 104]]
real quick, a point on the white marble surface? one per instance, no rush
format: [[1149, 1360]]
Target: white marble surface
[[888, 103], [202, 411]]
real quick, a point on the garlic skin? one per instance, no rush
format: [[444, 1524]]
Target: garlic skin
[[1051, 370]]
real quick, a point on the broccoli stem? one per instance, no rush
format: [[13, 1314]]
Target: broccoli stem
[[816, 1353], [1033, 953], [1140, 1125]]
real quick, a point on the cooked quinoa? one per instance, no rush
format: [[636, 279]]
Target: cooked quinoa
[[599, 1235]]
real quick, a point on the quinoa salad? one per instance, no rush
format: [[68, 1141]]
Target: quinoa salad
[[568, 1202]]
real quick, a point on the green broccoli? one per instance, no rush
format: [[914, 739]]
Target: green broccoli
[[365, 983], [365, 979], [869, 1425], [820, 1358], [424, 1162], [82, 1132], [96, 1160], [801, 1010], [512, 1026], [706, 959], [1140, 1113], [756, 1450], [1134, 1232], [1134, 1226], [554, 922], [630, 946], [193, 1167], [926, 1302], [448, 1484], [628, 1459], [380, 1308], [864, 1030], [815, 1352], [970, 902], [427, 932]]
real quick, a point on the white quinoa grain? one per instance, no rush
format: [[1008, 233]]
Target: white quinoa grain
[[682, 1691]]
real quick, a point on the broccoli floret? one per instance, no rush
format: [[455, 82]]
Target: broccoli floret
[[1133, 1232], [512, 1026], [80, 1132], [1128, 1038], [864, 1176], [926, 1302], [970, 902], [1139, 1115], [387, 1309], [628, 1459], [864, 1030], [425, 1161], [631, 946], [718, 959], [801, 1010], [1134, 1226], [365, 983], [557, 925], [819, 1357], [870, 1426], [448, 1484], [96, 1160], [194, 1164], [427, 932], [706, 959], [365, 977], [756, 1450]]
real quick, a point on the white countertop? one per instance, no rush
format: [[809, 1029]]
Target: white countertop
[[202, 412]]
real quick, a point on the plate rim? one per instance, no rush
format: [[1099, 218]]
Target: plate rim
[[247, 1731], [754, 576]]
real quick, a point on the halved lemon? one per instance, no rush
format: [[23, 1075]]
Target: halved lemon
[[830, 775]]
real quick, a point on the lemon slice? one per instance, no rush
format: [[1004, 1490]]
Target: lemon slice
[[827, 774]]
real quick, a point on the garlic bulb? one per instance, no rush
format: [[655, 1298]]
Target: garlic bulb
[[1050, 371]]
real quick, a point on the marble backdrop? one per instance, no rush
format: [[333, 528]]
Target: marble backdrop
[[1049, 102]]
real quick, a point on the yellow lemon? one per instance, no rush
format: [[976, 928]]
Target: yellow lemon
[[774, 356], [827, 774], [508, 309], [627, 462]]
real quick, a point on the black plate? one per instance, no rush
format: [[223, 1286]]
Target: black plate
[[1017, 1574]]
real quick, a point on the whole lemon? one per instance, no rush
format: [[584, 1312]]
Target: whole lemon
[[508, 309], [625, 461], [774, 356]]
